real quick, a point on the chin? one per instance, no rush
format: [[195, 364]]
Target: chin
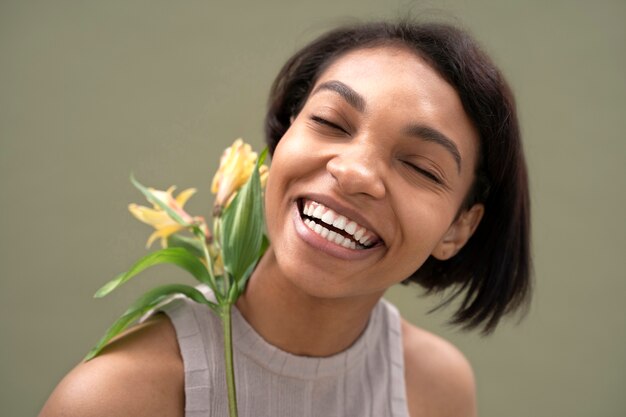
[[311, 280]]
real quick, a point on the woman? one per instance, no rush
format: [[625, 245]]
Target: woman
[[396, 157]]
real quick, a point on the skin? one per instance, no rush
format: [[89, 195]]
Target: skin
[[383, 139]]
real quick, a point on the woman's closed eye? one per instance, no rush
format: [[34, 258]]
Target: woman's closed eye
[[327, 123], [424, 172]]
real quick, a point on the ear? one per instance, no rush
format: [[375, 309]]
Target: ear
[[459, 233]]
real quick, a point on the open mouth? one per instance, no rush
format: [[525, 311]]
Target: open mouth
[[335, 227]]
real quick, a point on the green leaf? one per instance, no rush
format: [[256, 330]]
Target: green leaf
[[262, 157], [177, 256], [234, 293], [191, 244], [143, 305], [241, 285], [194, 246], [152, 198], [242, 228], [265, 243]]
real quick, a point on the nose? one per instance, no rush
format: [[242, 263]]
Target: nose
[[357, 170]]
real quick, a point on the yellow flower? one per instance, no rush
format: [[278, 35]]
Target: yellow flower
[[236, 165], [161, 221], [264, 172]]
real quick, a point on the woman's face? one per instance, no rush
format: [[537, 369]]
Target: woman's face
[[366, 183]]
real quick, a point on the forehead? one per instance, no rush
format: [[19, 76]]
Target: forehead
[[394, 70], [369, 57]]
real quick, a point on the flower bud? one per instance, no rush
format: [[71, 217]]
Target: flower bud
[[236, 165]]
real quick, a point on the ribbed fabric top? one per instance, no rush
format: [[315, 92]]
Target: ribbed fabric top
[[367, 379]]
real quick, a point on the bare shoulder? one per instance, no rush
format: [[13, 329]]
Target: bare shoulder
[[439, 379], [138, 374]]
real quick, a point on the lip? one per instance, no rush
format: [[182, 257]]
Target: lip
[[320, 243]]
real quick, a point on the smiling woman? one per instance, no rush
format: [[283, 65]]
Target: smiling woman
[[359, 157], [396, 157], [491, 271]]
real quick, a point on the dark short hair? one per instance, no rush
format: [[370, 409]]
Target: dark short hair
[[493, 270]]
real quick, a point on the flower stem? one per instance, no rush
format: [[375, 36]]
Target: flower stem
[[228, 357], [209, 261]]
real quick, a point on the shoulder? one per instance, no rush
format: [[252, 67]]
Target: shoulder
[[139, 374], [439, 379]]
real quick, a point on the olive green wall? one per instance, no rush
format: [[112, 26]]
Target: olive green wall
[[90, 91]]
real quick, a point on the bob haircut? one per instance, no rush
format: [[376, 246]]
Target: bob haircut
[[493, 270]]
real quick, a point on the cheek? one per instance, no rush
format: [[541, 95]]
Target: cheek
[[295, 158], [272, 197], [424, 221], [294, 144], [288, 165], [283, 154]]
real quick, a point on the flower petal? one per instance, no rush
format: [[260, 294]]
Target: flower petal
[[155, 218], [236, 165], [264, 173], [182, 198], [163, 234]]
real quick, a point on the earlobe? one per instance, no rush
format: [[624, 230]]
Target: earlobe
[[459, 233]]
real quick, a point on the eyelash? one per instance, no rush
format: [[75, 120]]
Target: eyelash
[[424, 172], [324, 122]]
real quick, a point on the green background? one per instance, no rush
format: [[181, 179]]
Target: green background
[[90, 91]]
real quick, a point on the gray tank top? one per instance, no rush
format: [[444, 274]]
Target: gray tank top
[[366, 380]]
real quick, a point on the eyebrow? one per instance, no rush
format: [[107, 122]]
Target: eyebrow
[[431, 135], [352, 97]]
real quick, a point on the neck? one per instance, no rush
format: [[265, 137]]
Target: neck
[[297, 322]]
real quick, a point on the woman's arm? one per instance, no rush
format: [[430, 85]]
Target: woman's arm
[[138, 374]]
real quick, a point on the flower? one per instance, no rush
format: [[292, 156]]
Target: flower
[[264, 172], [161, 220], [236, 165]]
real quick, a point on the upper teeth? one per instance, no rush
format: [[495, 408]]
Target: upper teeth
[[326, 215]]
